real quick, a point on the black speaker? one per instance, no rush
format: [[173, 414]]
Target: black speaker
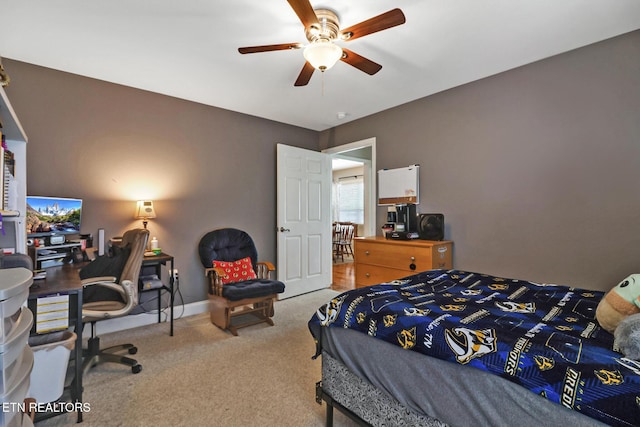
[[431, 226]]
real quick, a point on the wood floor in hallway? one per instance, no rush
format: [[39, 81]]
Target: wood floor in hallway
[[343, 276]]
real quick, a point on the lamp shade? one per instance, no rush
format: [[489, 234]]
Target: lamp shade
[[145, 210], [322, 54]]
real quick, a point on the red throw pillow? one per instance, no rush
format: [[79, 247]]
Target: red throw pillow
[[237, 271]]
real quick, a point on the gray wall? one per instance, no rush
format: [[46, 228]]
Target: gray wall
[[204, 167], [537, 170]]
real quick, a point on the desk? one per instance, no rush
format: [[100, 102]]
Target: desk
[[64, 280], [156, 262]]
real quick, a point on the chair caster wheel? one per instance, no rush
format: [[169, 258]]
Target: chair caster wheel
[[133, 350], [136, 369]]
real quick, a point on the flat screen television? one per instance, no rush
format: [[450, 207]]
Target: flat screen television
[[53, 215]]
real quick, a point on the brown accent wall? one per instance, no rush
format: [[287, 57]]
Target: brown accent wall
[[537, 170], [204, 167]]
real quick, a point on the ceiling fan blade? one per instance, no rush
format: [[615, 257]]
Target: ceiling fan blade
[[305, 12], [377, 23], [269, 47], [305, 75], [360, 62]]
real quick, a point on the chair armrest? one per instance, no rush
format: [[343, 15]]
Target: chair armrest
[[219, 271], [215, 274], [268, 265], [95, 280], [125, 288], [264, 269], [106, 282]]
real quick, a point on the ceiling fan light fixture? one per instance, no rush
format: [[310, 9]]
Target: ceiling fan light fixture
[[322, 29], [322, 54]]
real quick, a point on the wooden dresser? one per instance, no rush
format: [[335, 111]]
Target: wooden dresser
[[378, 259]]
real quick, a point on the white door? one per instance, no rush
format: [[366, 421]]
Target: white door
[[304, 220]]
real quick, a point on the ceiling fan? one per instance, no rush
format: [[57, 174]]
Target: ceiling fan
[[322, 28]]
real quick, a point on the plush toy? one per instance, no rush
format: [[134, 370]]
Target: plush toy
[[620, 302], [627, 337]]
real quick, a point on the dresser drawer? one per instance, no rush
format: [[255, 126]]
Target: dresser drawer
[[403, 256], [380, 260], [367, 274]]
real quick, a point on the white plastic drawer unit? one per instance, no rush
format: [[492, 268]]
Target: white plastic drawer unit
[[14, 291], [12, 355], [16, 357], [18, 387]]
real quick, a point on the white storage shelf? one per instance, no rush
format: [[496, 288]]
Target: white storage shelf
[[16, 140]]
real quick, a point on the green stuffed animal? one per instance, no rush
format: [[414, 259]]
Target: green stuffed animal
[[620, 302]]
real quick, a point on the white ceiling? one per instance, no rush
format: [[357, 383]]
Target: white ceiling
[[188, 48], [340, 164]]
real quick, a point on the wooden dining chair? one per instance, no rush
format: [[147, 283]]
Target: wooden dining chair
[[345, 240]]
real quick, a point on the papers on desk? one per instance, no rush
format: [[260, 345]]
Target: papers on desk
[[43, 252], [39, 274], [52, 313]]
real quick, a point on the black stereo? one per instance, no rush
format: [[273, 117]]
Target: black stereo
[[431, 226]]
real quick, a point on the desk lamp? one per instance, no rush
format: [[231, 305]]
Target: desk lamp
[[145, 211]]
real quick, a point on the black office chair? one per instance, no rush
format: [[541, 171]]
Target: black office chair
[[16, 260], [236, 283], [125, 290]]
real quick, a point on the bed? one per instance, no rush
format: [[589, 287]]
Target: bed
[[449, 347]]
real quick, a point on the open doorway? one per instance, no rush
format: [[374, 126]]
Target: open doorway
[[347, 192], [353, 201]]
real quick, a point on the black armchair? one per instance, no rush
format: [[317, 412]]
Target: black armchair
[[237, 283]]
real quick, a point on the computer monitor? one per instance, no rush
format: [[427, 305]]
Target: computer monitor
[[55, 215]]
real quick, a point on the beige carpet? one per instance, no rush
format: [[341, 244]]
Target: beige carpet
[[203, 376]]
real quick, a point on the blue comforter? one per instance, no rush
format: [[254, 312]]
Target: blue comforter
[[543, 337]]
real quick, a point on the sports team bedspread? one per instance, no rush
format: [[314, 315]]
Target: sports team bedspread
[[543, 337]]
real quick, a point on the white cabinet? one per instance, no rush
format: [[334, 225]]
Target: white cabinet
[[13, 221]]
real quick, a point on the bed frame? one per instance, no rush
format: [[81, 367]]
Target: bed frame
[[448, 394], [369, 406]]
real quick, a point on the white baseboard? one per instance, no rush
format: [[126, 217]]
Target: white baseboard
[[142, 319]]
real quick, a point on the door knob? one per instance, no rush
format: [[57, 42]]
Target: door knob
[[282, 229]]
